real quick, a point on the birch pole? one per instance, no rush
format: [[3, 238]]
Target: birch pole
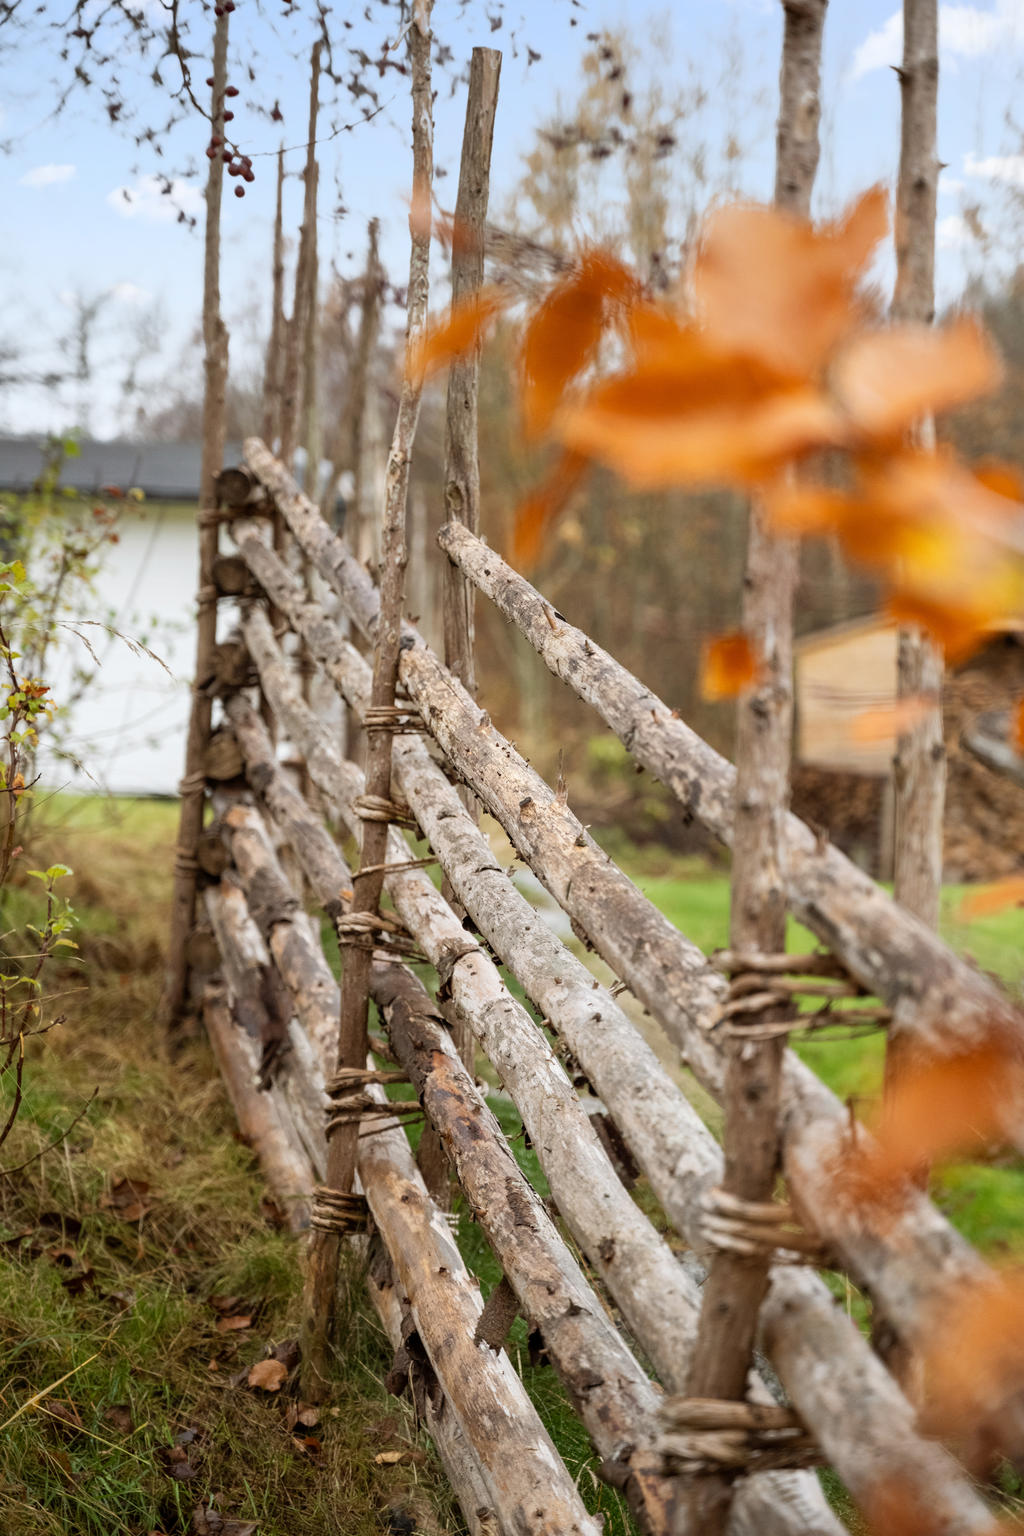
[[919, 767], [272, 381], [737, 1285], [461, 437], [461, 444], [292, 376], [357, 958], [215, 368]]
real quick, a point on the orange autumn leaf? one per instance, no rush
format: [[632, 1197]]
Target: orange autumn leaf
[[994, 898], [958, 631], [542, 506], [460, 331], [974, 1365], [728, 665], [800, 507], [889, 720], [1017, 728], [888, 379], [942, 1107], [563, 336], [694, 415], [1003, 480], [769, 285]]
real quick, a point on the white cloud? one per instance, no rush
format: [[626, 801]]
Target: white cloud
[[156, 199], [952, 233], [996, 168], [880, 48], [965, 32], [47, 175], [130, 293], [950, 185]]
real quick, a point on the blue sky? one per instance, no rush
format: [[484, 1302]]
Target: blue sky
[[65, 227]]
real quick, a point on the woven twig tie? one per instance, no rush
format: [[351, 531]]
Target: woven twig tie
[[376, 808], [753, 1228], [705, 1436], [332, 1211]]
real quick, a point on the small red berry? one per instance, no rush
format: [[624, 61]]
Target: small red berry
[[209, 80], [226, 156], [232, 90], [234, 170], [239, 191], [248, 175], [229, 117], [211, 153], [216, 141], [230, 5]]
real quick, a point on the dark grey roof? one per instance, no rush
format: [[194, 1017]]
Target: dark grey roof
[[165, 471]]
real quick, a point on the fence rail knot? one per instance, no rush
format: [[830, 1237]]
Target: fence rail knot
[[753, 1228], [706, 1436]]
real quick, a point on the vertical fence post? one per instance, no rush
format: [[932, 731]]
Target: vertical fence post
[[462, 457], [919, 768], [357, 952], [215, 340], [736, 1285]]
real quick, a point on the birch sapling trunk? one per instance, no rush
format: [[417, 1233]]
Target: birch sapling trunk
[[270, 425], [357, 961], [215, 368], [292, 375], [737, 1285], [919, 767], [461, 442]]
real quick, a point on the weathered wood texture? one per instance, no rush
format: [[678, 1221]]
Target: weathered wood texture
[[287, 1169], [736, 1283], [656, 1295], [272, 369], [284, 1166], [215, 369], [517, 1457], [605, 1383], [462, 464], [467, 721], [925, 1261], [933, 993], [291, 371], [296, 1081], [461, 444], [368, 880]]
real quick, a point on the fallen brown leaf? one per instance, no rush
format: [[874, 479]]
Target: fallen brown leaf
[[268, 1375], [120, 1416], [234, 1324], [395, 1458]]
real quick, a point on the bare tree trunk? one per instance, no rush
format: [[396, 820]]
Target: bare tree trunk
[[270, 426], [736, 1284], [367, 887], [349, 432], [919, 768], [304, 265], [215, 340]]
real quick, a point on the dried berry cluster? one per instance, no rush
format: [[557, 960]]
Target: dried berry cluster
[[237, 164]]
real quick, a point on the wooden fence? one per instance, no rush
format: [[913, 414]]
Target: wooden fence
[[618, 1322]]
